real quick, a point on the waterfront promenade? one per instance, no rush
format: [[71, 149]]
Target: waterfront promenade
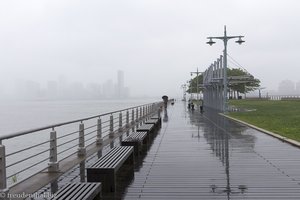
[[205, 156]]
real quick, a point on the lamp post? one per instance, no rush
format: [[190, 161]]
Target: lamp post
[[225, 39]]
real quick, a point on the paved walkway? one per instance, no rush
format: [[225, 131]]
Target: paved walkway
[[208, 157]]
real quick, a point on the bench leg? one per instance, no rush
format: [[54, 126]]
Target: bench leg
[[112, 182], [107, 179], [98, 197]]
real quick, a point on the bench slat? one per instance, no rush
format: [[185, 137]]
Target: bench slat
[[145, 127], [106, 158], [74, 191], [140, 136], [152, 121], [83, 192], [117, 159], [105, 168], [112, 159]]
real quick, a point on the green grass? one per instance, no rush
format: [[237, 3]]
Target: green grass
[[281, 117]]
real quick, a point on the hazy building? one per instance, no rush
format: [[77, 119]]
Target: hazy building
[[121, 91], [120, 85], [286, 87]]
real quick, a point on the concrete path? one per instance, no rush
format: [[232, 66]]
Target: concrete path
[[206, 156]]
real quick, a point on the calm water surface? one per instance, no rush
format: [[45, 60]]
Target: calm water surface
[[22, 115]]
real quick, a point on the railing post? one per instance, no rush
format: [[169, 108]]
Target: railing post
[[99, 139], [111, 126], [53, 165], [3, 183], [127, 119], [132, 117], [137, 115], [81, 148], [151, 108], [148, 110], [120, 122], [141, 115]]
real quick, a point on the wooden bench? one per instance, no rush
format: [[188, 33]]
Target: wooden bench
[[83, 191], [105, 169], [149, 128], [158, 119], [137, 140], [153, 121]]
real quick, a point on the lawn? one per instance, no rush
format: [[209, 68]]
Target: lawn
[[281, 117]]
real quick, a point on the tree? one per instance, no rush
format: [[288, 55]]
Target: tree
[[245, 85], [193, 84]]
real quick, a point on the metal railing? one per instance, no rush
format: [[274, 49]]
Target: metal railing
[[26, 153]]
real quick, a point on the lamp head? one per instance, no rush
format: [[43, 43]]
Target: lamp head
[[240, 41], [210, 42]]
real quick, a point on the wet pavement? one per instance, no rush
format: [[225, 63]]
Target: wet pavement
[[205, 156]]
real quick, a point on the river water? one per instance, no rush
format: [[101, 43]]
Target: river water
[[22, 115]]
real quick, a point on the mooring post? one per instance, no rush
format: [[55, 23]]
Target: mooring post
[[3, 183], [99, 139], [111, 127], [53, 165], [81, 148]]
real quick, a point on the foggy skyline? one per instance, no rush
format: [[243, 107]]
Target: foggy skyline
[[157, 43], [63, 89]]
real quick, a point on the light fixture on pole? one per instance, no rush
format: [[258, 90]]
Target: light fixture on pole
[[225, 39]]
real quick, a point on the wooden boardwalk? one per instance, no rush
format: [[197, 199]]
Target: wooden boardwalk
[[205, 156]]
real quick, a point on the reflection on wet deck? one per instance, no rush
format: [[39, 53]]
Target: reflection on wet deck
[[205, 156], [208, 157]]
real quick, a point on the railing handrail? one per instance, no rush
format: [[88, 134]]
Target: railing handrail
[[20, 133]]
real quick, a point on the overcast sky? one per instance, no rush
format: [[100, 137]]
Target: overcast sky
[[155, 42]]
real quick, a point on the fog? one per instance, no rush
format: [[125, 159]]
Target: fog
[[156, 43]]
